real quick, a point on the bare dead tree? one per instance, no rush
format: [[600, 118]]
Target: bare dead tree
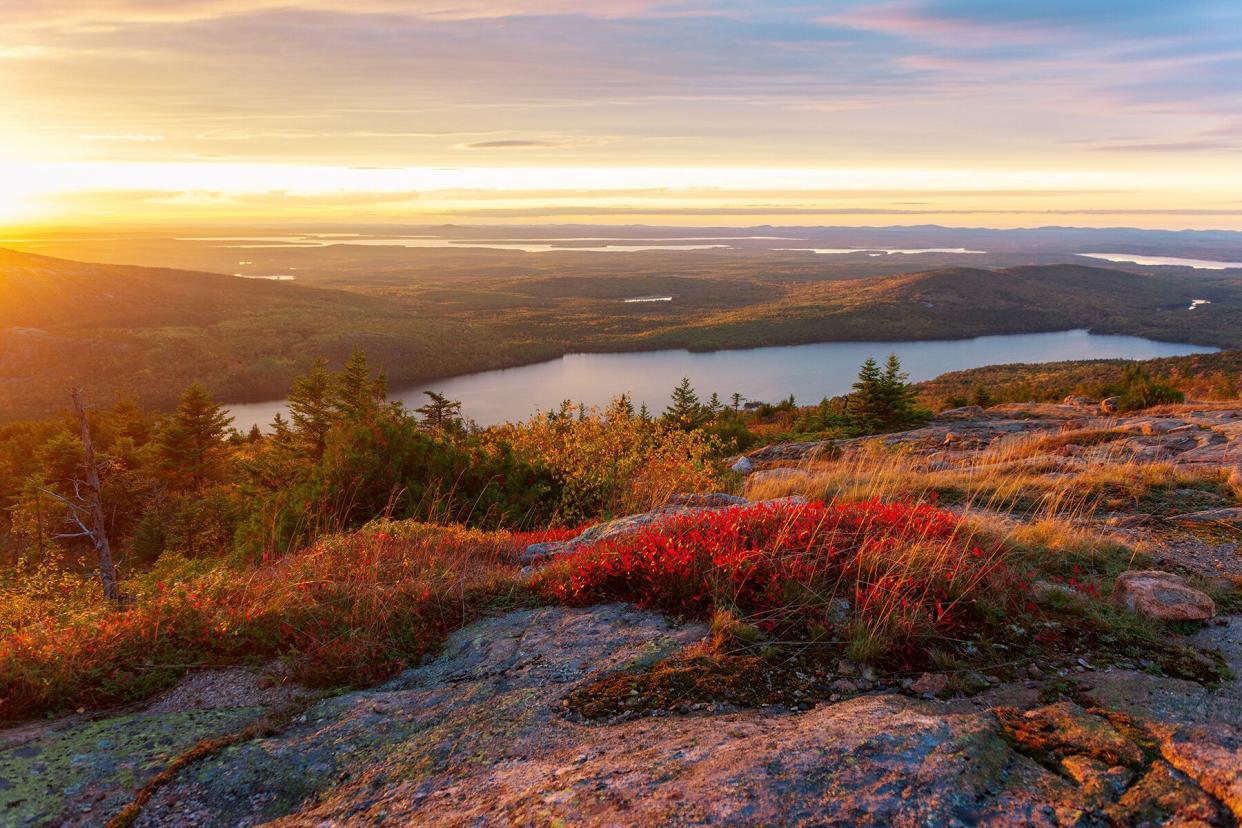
[[84, 510]]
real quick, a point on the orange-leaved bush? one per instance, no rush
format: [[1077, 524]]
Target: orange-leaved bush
[[612, 462], [351, 609], [876, 576]]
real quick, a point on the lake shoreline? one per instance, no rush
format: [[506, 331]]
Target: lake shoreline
[[496, 381]]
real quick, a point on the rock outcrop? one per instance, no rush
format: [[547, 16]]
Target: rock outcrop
[[482, 735]]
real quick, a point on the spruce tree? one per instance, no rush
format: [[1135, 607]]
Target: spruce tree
[[685, 410], [865, 403], [896, 395], [311, 407], [356, 395], [191, 441]]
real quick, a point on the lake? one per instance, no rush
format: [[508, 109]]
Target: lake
[[809, 372], [1173, 261]]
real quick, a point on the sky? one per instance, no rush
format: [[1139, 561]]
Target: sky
[[695, 112]]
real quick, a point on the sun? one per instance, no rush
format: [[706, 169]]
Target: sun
[[17, 192]]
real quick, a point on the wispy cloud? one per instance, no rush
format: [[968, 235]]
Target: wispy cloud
[[960, 85]]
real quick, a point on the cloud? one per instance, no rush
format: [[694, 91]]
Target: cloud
[[508, 143], [137, 137], [1175, 147], [116, 14]]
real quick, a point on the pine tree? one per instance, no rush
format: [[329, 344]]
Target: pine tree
[[355, 395], [311, 407], [865, 403], [191, 441], [685, 410], [896, 395], [737, 402], [713, 403], [440, 412]]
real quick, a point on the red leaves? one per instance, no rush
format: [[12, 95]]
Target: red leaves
[[785, 563]]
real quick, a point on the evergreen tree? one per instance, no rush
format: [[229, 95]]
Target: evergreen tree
[[881, 399], [191, 441], [865, 405], [737, 402], [896, 394], [685, 410], [713, 403], [644, 413], [356, 395], [440, 413], [311, 407]]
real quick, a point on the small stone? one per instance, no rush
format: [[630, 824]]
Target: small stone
[[930, 684]]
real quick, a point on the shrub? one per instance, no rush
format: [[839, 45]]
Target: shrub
[[391, 467], [612, 464], [352, 609], [880, 576]]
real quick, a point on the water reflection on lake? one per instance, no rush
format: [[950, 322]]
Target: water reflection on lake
[[1171, 261], [809, 372]]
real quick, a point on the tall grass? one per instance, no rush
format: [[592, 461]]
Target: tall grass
[[351, 609], [1015, 476]]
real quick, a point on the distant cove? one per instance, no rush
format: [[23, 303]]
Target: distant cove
[[809, 372]]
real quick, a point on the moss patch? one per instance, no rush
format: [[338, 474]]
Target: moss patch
[[94, 768]]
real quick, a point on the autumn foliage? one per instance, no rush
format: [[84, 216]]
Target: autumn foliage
[[872, 575], [350, 610]]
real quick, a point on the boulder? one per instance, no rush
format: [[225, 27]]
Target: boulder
[[1109, 405], [1078, 400], [1162, 595], [743, 465], [786, 452]]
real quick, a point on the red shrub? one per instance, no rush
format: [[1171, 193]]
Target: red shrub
[[892, 569]]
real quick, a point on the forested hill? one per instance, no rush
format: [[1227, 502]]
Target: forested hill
[[149, 332]]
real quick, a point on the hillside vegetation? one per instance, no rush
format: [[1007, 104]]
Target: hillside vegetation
[[147, 332], [1198, 376]]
